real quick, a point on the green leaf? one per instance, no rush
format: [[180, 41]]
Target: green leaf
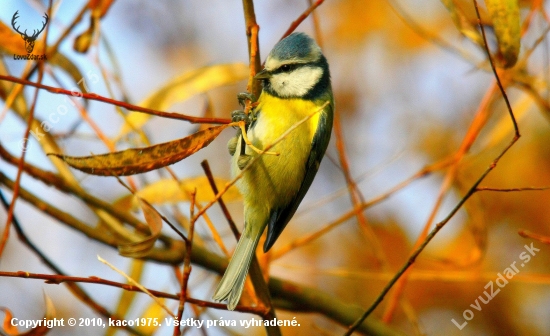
[[140, 160]]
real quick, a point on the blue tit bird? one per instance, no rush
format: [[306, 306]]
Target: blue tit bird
[[296, 84]]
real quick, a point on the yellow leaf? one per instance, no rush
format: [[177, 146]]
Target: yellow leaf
[[140, 160], [183, 87], [169, 191], [155, 312], [83, 42], [462, 23], [505, 17]]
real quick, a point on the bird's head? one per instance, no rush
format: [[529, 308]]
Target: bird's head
[[295, 68]]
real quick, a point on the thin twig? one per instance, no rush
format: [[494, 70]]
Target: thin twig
[[430, 236], [173, 227], [210, 177], [301, 18], [513, 189], [130, 107], [470, 192], [138, 285], [58, 279], [500, 86]]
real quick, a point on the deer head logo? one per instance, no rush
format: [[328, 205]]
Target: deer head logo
[[29, 40]]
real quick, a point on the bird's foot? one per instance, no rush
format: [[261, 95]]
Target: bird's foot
[[242, 97]]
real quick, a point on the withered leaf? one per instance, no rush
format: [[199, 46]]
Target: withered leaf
[[140, 160], [141, 248]]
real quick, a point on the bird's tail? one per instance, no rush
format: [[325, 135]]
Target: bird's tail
[[231, 286]]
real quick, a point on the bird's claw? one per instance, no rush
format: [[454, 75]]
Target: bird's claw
[[239, 115], [243, 96]]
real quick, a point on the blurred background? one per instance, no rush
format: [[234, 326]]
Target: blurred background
[[409, 82]]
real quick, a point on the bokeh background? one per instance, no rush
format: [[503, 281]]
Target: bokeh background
[[408, 84]]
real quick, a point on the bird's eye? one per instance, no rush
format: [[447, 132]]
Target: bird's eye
[[286, 68]]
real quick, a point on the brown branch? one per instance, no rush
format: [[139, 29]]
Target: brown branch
[[58, 279], [253, 45], [311, 299], [130, 107], [252, 28], [75, 289]]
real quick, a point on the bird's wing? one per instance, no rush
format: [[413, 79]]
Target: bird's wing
[[280, 217]]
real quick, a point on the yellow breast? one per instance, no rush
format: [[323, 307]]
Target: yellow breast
[[278, 115], [273, 180]]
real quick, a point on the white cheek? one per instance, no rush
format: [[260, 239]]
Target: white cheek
[[296, 83]]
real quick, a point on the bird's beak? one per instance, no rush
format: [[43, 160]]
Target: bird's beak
[[264, 74]]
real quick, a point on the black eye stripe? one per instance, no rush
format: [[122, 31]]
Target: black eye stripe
[[286, 68]]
